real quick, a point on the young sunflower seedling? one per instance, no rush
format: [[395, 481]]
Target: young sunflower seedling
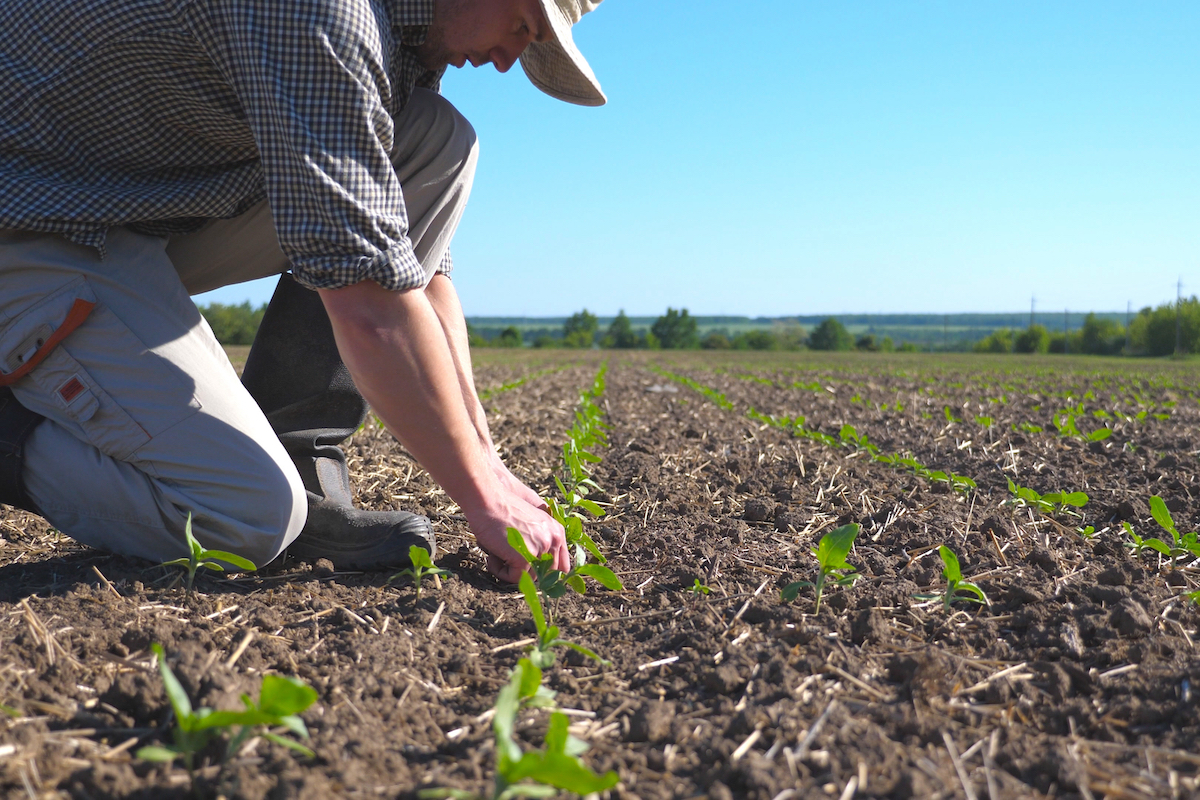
[[537, 773], [422, 567], [831, 554], [956, 587], [198, 557], [699, 588], [541, 653], [553, 583], [1023, 496], [1183, 544], [280, 702]]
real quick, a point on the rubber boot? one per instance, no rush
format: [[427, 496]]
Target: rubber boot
[[298, 379], [16, 423]]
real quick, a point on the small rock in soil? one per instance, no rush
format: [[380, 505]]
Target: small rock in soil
[[723, 680], [1041, 557], [785, 519], [719, 791], [1129, 618], [868, 626], [323, 568], [1018, 595], [1127, 511], [734, 531], [758, 510], [651, 723]]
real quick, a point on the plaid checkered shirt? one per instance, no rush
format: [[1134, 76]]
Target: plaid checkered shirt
[[162, 114]]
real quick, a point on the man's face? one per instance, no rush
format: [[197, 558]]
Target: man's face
[[479, 32]]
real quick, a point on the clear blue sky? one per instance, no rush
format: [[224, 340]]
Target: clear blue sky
[[782, 157]]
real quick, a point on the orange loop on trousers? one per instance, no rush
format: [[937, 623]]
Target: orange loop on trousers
[[75, 317]]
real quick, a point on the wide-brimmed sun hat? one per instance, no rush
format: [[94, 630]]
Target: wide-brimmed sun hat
[[556, 66]]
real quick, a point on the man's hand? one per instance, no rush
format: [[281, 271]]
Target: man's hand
[[513, 484], [400, 358], [541, 532]]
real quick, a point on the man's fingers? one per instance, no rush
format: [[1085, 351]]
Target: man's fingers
[[505, 571], [562, 559]]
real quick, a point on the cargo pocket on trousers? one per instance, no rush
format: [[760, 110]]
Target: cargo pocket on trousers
[[102, 382]]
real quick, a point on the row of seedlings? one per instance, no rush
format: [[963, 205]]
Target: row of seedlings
[[556, 766], [848, 436]]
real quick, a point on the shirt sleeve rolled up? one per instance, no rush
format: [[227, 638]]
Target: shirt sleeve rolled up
[[312, 76]]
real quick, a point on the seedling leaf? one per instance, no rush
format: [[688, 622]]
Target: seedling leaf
[[178, 698], [834, 546], [1158, 510], [533, 601], [792, 590], [952, 570], [161, 755], [517, 542], [602, 575]]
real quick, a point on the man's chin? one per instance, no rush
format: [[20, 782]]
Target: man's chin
[[433, 59]]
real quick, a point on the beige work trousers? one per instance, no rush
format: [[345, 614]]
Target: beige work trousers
[[162, 427]]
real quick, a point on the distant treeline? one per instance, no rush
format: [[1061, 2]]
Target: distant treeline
[[1151, 332], [1170, 328], [678, 330], [233, 324]]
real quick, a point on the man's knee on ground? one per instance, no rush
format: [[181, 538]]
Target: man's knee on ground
[[278, 518], [254, 509]]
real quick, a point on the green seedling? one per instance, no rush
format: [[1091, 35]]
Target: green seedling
[[538, 773], [795, 425], [960, 483], [956, 587], [554, 583], [711, 394], [1065, 422], [200, 558], [280, 702], [831, 554], [1023, 496], [1028, 427], [849, 435], [587, 432], [541, 653], [554, 769], [1183, 544], [487, 394], [422, 567], [699, 588], [1138, 545]]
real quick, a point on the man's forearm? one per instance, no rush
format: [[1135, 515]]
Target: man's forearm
[[444, 299], [402, 361], [418, 395]]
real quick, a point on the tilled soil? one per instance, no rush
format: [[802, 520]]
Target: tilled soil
[[1076, 680]]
